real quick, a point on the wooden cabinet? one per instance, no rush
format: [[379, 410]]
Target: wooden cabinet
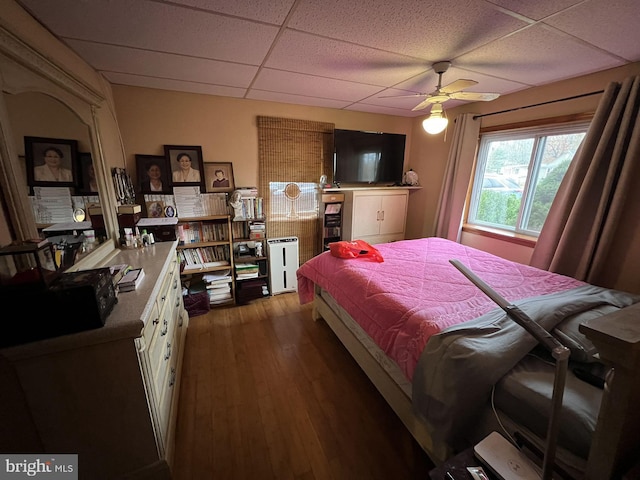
[[205, 247], [375, 215], [109, 394], [251, 265]]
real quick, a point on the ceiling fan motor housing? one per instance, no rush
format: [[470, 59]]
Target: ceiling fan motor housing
[[441, 67]]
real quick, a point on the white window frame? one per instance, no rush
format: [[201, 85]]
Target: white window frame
[[538, 134]]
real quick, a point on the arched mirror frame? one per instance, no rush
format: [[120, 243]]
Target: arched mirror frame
[[22, 69]]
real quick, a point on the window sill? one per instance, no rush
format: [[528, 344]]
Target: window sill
[[511, 237]]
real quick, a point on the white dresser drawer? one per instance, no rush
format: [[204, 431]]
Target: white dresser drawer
[[164, 409], [162, 344]]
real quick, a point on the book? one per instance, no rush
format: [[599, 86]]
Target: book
[[131, 280], [118, 271], [135, 208]]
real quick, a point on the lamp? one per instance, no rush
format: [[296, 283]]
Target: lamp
[[437, 121]]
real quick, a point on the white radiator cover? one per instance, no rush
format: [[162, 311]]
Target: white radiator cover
[[283, 263]]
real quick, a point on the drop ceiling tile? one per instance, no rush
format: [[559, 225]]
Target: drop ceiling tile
[[428, 29], [303, 53], [164, 65], [537, 56], [309, 85], [615, 33], [269, 11], [158, 26], [538, 9], [295, 99], [174, 85]]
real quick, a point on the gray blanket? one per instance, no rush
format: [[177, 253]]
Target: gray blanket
[[458, 367]]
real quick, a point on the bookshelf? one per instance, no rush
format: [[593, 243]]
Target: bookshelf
[[206, 259], [251, 266], [331, 216]]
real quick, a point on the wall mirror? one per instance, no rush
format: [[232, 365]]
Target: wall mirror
[[40, 100]]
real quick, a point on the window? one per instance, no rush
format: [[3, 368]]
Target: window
[[300, 202], [518, 175]]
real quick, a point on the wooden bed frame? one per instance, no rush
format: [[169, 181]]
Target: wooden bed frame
[[615, 447]]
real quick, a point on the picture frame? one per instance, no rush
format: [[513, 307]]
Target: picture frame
[[153, 174], [216, 182], [58, 169], [155, 209], [86, 173], [169, 211], [189, 172]]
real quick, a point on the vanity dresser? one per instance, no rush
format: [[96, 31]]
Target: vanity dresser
[[108, 394]]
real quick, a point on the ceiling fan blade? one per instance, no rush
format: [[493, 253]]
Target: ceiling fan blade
[[458, 85], [407, 95], [422, 104], [474, 96]]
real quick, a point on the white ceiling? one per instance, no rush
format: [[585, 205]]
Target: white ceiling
[[343, 54]]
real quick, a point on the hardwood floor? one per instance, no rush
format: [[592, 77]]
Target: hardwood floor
[[267, 393]]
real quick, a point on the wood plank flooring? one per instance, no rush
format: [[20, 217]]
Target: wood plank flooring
[[267, 393]]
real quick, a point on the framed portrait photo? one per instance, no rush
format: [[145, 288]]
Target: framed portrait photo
[[51, 162], [88, 184], [219, 177], [153, 174], [187, 166]]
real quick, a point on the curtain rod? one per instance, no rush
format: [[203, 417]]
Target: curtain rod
[[538, 104]]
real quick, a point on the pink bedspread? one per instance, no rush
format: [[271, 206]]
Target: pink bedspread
[[416, 292]]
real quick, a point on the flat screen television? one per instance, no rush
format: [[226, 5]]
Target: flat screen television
[[368, 157]]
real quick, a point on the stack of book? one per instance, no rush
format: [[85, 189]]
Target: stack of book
[[118, 271], [257, 230], [246, 270], [218, 285], [131, 280]]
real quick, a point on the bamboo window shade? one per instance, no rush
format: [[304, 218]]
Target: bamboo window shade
[[293, 151]]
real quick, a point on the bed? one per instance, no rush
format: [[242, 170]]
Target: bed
[[423, 333]]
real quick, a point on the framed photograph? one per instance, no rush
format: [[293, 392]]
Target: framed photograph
[[51, 162], [169, 211], [187, 166], [153, 174], [155, 209], [88, 184], [219, 177]]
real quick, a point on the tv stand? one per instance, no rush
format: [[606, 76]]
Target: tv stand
[[375, 215]]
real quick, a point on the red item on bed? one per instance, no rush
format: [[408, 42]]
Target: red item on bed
[[416, 293], [354, 249]]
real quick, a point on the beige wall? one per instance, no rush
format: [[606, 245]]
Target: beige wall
[[224, 127]]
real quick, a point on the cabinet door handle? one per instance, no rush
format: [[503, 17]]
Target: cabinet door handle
[[382, 215]]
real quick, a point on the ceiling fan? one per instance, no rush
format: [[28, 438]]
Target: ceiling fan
[[452, 91]]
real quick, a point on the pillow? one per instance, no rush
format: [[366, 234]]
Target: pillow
[[568, 333]]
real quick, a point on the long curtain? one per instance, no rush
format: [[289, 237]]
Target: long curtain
[[590, 228], [293, 151], [457, 177]]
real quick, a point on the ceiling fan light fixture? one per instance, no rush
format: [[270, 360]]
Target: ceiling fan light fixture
[[436, 122]]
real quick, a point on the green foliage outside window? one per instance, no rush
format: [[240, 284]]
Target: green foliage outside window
[[499, 208]]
